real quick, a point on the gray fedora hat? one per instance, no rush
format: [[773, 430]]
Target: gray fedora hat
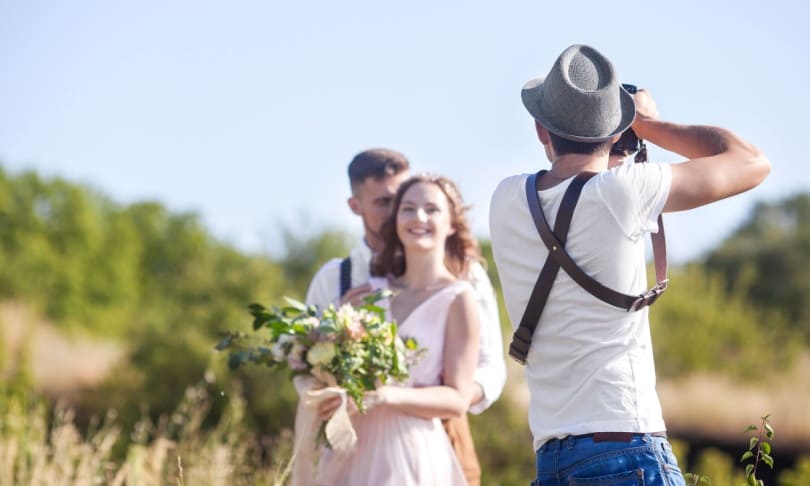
[[581, 99]]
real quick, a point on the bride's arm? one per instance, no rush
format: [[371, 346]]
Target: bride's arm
[[460, 359]]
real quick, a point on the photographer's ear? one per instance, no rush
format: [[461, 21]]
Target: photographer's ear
[[542, 133]]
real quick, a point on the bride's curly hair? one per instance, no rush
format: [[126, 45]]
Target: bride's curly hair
[[460, 247]]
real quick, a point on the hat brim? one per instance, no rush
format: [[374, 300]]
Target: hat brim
[[532, 92]]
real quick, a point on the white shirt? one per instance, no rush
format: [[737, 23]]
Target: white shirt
[[590, 366], [491, 371]]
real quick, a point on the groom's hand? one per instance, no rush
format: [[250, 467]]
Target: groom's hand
[[355, 296]]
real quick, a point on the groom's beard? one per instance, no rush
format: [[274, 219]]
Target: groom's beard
[[373, 240]]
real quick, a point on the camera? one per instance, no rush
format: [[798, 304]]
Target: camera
[[628, 143]]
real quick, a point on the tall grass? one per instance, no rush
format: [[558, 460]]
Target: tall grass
[[42, 448]]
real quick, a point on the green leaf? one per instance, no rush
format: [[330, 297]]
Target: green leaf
[[257, 307], [378, 295], [746, 455], [752, 443], [750, 428], [300, 328], [766, 447], [769, 430], [296, 304], [752, 480], [290, 311], [767, 459], [258, 322], [749, 469], [379, 311]]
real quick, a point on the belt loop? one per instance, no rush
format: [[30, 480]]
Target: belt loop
[[569, 442]]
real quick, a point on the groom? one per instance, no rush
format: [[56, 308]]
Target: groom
[[374, 176]]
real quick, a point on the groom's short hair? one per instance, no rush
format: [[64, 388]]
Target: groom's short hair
[[376, 163]]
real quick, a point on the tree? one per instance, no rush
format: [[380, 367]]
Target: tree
[[768, 258]]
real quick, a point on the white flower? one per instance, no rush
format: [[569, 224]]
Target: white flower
[[310, 321], [345, 315], [321, 353], [281, 347]]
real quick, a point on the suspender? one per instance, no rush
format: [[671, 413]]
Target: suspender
[[558, 257], [345, 275]]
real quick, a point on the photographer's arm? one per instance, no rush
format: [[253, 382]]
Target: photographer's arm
[[721, 164]]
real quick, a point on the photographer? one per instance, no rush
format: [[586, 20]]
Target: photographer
[[576, 294]]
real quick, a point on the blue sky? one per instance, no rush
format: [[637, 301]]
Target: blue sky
[[248, 112]]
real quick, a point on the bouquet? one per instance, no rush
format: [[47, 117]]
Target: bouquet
[[353, 347]]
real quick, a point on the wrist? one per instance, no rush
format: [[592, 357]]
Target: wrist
[[643, 126], [383, 395], [477, 393]]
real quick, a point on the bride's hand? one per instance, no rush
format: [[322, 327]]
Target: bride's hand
[[376, 397], [328, 407], [371, 399]]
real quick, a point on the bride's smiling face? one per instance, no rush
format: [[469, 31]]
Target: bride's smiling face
[[424, 217]]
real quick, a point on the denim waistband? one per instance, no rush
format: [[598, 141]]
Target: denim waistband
[[600, 437], [616, 436]]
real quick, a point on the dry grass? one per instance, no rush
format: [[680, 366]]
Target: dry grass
[[174, 451], [714, 406]]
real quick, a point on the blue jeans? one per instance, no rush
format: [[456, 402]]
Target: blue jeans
[[578, 461]]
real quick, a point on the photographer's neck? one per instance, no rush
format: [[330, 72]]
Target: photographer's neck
[[569, 165]]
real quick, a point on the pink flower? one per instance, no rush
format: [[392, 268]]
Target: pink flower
[[352, 321], [355, 329]]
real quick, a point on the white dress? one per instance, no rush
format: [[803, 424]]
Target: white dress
[[394, 448]]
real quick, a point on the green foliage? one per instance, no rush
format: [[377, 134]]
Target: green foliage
[[503, 443], [699, 326], [715, 467], [304, 253], [768, 258], [90, 264], [800, 476], [759, 451], [140, 273]]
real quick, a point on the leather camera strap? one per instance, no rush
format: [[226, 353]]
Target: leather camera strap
[[558, 257]]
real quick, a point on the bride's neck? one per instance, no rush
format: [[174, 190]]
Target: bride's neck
[[425, 270]]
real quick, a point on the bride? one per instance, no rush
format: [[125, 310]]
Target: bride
[[400, 439]]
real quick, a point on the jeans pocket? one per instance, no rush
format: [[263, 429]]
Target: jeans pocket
[[634, 477]]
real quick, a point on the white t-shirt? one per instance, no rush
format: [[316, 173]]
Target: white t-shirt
[[491, 371], [590, 366]]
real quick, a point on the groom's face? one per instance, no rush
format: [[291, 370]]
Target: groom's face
[[372, 202]]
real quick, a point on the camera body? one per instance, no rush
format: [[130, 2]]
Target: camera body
[[629, 142]]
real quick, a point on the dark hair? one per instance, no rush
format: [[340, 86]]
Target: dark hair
[[376, 163], [460, 247], [564, 146]]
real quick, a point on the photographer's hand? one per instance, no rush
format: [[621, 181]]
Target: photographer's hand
[[646, 108]]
